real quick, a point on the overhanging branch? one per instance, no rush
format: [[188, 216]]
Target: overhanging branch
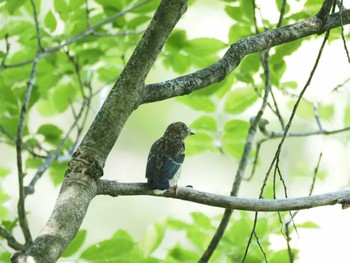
[[217, 72], [113, 188]]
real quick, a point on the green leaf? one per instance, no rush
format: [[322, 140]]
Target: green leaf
[[235, 132], [239, 100], [237, 128], [201, 220], [62, 95], [153, 238], [204, 123], [33, 163], [200, 103], [50, 21], [13, 5], [4, 197], [109, 250], [179, 63], [176, 41], [5, 257], [181, 255], [199, 143], [326, 111], [75, 4], [347, 116], [4, 171], [57, 171], [237, 32], [61, 8], [203, 46], [177, 224], [289, 84], [10, 225], [137, 21], [76, 244], [150, 6], [51, 133], [308, 224]]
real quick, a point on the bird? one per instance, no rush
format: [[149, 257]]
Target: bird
[[166, 157]]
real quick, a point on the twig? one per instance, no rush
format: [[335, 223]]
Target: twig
[[291, 220], [37, 28], [7, 47], [317, 116], [11, 241], [87, 13], [19, 141], [282, 11], [342, 31]]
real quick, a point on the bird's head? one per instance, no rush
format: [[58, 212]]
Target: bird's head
[[178, 130]]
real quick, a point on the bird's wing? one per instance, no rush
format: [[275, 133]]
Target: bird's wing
[[171, 165], [163, 163]]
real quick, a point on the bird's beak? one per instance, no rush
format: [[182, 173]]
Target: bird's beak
[[191, 132]]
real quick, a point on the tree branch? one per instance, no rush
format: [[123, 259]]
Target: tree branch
[[114, 188], [217, 72]]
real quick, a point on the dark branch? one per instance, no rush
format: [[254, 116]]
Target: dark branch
[[217, 72], [114, 188]]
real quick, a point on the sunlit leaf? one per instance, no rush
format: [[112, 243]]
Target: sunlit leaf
[[240, 99], [4, 171], [205, 123], [198, 143], [51, 133], [109, 250], [76, 243], [50, 21]]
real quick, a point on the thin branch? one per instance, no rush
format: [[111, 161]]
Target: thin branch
[[282, 11], [342, 32], [114, 189], [291, 220], [7, 47], [11, 241], [317, 116], [119, 34], [87, 13], [19, 141], [37, 28]]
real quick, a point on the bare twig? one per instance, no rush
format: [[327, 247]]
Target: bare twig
[[342, 32], [37, 28], [291, 220], [282, 11], [11, 241], [19, 141]]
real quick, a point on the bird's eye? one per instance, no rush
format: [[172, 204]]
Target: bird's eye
[[184, 126]]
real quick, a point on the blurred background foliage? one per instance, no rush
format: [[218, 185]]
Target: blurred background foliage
[[80, 55]]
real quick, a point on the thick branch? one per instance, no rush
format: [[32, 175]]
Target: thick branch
[[113, 188], [217, 72]]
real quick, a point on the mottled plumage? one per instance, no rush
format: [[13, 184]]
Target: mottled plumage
[[166, 156]]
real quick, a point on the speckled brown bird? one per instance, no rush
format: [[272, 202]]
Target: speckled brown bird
[[166, 156]]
